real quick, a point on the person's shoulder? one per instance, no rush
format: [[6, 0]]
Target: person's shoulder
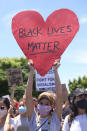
[[65, 126], [82, 116], [55, 116], [67, 117], [2, 129], [16, 118], [54, 113], [33, 117]]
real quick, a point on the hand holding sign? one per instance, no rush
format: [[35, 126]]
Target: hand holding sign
[[30, 64], [14, 87], [41, 41], [56, 64]]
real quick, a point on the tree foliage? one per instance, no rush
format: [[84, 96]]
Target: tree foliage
[[80, 83], [6, 63]]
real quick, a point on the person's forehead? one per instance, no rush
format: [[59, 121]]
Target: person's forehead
[[1, 103], [44, 100], [21, 102]]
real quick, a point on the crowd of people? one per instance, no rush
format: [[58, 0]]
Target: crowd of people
[[47, 112]]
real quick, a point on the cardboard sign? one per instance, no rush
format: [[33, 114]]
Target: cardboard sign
[[47, 82], [14, 76], [44, 41]]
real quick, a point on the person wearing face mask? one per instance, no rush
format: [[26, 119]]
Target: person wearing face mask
[[4, 106], [49, 108], [77, 120], [20, 121]]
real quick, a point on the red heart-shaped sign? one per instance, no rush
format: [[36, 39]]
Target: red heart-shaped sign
[[41, 41]]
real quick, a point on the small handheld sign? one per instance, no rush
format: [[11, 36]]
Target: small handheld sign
[[14, 76], [44, 41]]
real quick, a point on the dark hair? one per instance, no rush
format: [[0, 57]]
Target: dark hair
[[70, 98], [74, 109], [6, 102]]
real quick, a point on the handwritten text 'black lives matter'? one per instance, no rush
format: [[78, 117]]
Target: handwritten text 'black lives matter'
[[37, 47]]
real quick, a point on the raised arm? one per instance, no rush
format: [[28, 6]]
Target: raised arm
[[58, 89], [13, 102], [29, 98], [8, 126]]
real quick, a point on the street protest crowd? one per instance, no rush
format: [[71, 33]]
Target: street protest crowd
[[47, 112]]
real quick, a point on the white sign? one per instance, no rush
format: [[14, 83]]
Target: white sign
[[46, 83], [6, 96]]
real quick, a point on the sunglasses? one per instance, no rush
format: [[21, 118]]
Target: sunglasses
[[21, 105], [2, 107]]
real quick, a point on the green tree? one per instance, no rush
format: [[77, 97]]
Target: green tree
[[6, 63], [80, 83]]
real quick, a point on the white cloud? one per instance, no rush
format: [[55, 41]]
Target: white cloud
[[83, 20]]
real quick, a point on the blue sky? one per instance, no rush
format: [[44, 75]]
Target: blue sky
[[74, 59]]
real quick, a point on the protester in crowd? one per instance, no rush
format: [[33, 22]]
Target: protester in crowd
[[47, 117], [66, 110], [77, 120], [4, 106], [13, 102], [20, 121]]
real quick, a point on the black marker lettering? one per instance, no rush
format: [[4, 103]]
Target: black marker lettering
[[56, 30], [69, 28], [56, 44], [43, 47], [49, 45], [35, 32], [21, 31], [62, 30]]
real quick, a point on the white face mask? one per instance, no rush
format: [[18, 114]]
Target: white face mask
[[2, 113]]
